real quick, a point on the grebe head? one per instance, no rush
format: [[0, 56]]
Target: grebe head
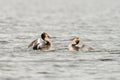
[[76, 40], [44, 35], [73, 46]]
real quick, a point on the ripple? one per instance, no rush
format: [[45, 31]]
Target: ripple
[[44, 72], [4, 42], [114, 52], [9, 78], [106, 59]]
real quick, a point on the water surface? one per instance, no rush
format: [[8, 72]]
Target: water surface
[[95, 22]]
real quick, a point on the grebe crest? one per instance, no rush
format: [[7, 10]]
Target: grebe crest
[[76, 40], [44, 35]]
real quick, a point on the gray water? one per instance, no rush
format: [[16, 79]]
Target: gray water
[[95, 22]]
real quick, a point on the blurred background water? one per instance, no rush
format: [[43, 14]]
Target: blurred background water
[[95, 22]]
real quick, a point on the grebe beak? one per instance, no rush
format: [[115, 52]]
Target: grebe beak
[[70, 39], [49, 37]]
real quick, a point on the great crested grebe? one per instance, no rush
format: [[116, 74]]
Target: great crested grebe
[[44, 45], [74, 46]]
